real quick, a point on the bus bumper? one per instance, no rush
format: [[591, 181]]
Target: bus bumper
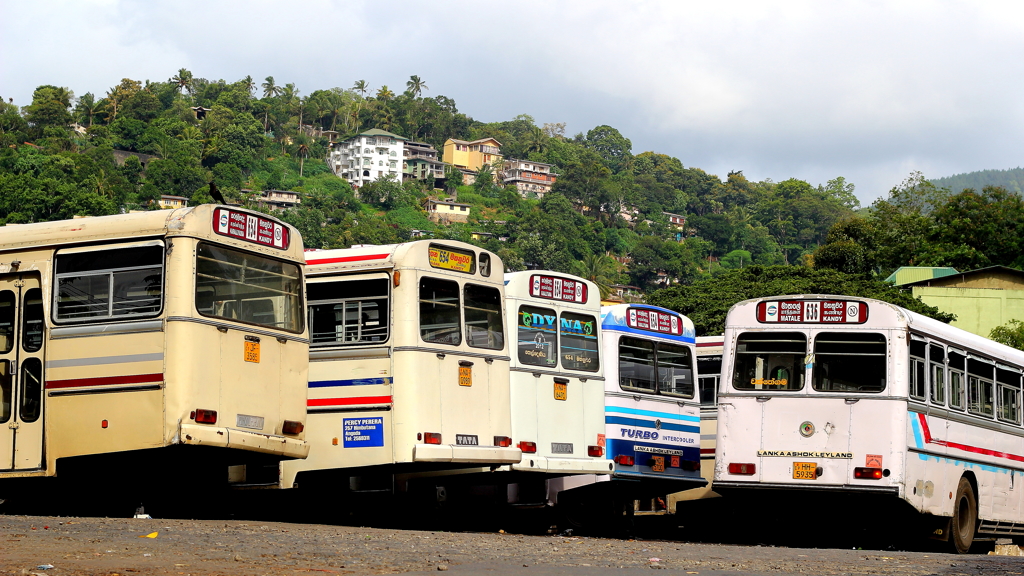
[[282, 446], [466, 454], [550, 464]]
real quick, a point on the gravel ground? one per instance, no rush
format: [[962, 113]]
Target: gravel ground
[[108, 546]]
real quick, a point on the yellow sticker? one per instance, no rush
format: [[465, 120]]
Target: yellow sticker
[[451, 260], [251, 352], [561, 391], [465, 375]]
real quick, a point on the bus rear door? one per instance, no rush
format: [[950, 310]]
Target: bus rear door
[[21, 372]]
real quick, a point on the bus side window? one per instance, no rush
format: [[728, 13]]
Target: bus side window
[[6, 392], [709, 369], [980, 398], [1008, 395], [917, 370], [349, 311], [937, 356], [957, 390], [103, 284], [6, 321]]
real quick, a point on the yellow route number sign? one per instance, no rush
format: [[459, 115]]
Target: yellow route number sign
[[561, 391], [465, 375], [251, 352]]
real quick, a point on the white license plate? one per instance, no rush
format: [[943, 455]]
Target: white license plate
[[250, 422]]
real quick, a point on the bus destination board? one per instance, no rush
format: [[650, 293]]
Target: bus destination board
[[812, 312], [654, 321], [250, 228], [554, 288], [449, 259]]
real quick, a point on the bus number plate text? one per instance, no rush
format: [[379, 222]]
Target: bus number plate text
[[561, 391], [657, 463], [251, 352], [805, 471], [465, 375]]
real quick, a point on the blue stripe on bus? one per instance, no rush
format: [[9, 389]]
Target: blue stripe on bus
[[649, 424], [355, 382], [637, 412], [916, 427]]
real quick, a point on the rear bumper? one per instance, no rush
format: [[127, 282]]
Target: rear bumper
[[198, 435], [554, 464], [483, 455], [726, 487]]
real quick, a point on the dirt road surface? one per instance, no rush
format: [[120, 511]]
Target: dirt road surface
[[108, 546]]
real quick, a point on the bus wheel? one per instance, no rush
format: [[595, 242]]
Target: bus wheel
[[965, 517]]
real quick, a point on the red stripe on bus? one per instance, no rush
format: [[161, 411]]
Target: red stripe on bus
[[348, 259], [710, 344], [348, 401], [973, 449], [707, 450], [106, 381]]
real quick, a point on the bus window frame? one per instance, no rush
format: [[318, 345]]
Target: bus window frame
[[801, 365], [109, 318], [458, 307], [561, 340], [1001, 386], [816, 366], [530, 309], [389, 296], [958, 401], [981, 380], [500, 310], [917, 375], [656, 367], [934, 365]]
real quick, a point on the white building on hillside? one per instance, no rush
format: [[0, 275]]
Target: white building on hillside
[[367, 156]]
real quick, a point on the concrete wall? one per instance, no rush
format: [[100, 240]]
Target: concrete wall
[[978, 310]]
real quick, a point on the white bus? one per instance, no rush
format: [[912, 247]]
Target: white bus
[[709, 374], [824, 398], [409, 365], [144, 350]]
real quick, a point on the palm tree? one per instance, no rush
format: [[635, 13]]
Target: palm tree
[[361, 87], [270, 89], [87, 107], [416, 85], [302, 142], [183, 79], [250, 84], [385, 94], [536, 141], [600, 269]]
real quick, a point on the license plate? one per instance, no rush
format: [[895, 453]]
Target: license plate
[[251, 353], [467, 440], [465, 375], [805, 470], [561, 391], [561, 447], [658, 463], [251, 422]]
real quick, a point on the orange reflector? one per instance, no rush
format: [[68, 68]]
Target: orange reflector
[[432, 437], [528, 447], [624, 460], [868, 473], [103, 424], [742, 469], [334, 441], [502, 441], [595, 451], [292, 427], [206, 416], [397, 277]]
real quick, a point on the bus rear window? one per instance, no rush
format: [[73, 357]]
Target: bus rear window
[[348, 312], [109, 284], [439, 311], [849, 362], [578, 333], [536, 338], [244, 287], [675, 370], [770, 361], [484, 328]]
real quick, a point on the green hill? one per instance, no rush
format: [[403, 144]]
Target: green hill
[[1012, 179]]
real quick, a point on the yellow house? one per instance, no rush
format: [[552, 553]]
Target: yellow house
[[471, 155]]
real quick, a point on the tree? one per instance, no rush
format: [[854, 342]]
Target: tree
[[182, 80], [707, 302], [302, 144], [270, 89], [416, 86], [384, 94], [86, 109], [49, 107], [361, 86], [1011, 334], [612, 146], [600, 269]]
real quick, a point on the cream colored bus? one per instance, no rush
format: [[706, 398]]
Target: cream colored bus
[[409, 365], [123, 337]]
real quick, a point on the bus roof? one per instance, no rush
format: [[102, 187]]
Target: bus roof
[[618, 318], [386, 256]]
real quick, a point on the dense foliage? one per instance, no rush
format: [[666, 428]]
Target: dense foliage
[[1012, 180], [1011, 334], [707, 302]]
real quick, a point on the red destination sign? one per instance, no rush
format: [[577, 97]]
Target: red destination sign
[[251, 228], [812, 312], [554, 288], [654, 321]]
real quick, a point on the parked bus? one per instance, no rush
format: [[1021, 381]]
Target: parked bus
[[151, 346], [409, 366], [709, 373], [652, 409], [859, 409]]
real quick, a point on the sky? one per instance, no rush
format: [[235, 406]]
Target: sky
[[870, 91]]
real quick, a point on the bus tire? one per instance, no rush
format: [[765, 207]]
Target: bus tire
[[965, 518]]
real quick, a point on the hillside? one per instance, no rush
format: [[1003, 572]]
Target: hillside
[[1012, 179]]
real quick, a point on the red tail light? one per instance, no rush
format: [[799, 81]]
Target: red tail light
[[502, 441], [690, 465], [595, 451], [624, 460], [528, 447], [742, 469], [432, 437], [292, 427], [868, 473], [206, 416]]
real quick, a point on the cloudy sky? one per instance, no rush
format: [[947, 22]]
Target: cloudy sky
[[866, 90]]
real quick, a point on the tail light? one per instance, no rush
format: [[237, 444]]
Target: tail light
[[742, 469], [206, 416], [624, 460], [691, 465], [595, 451], [292, 427], [867, 473], [432, 437], [502, 441], [528, 447]]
